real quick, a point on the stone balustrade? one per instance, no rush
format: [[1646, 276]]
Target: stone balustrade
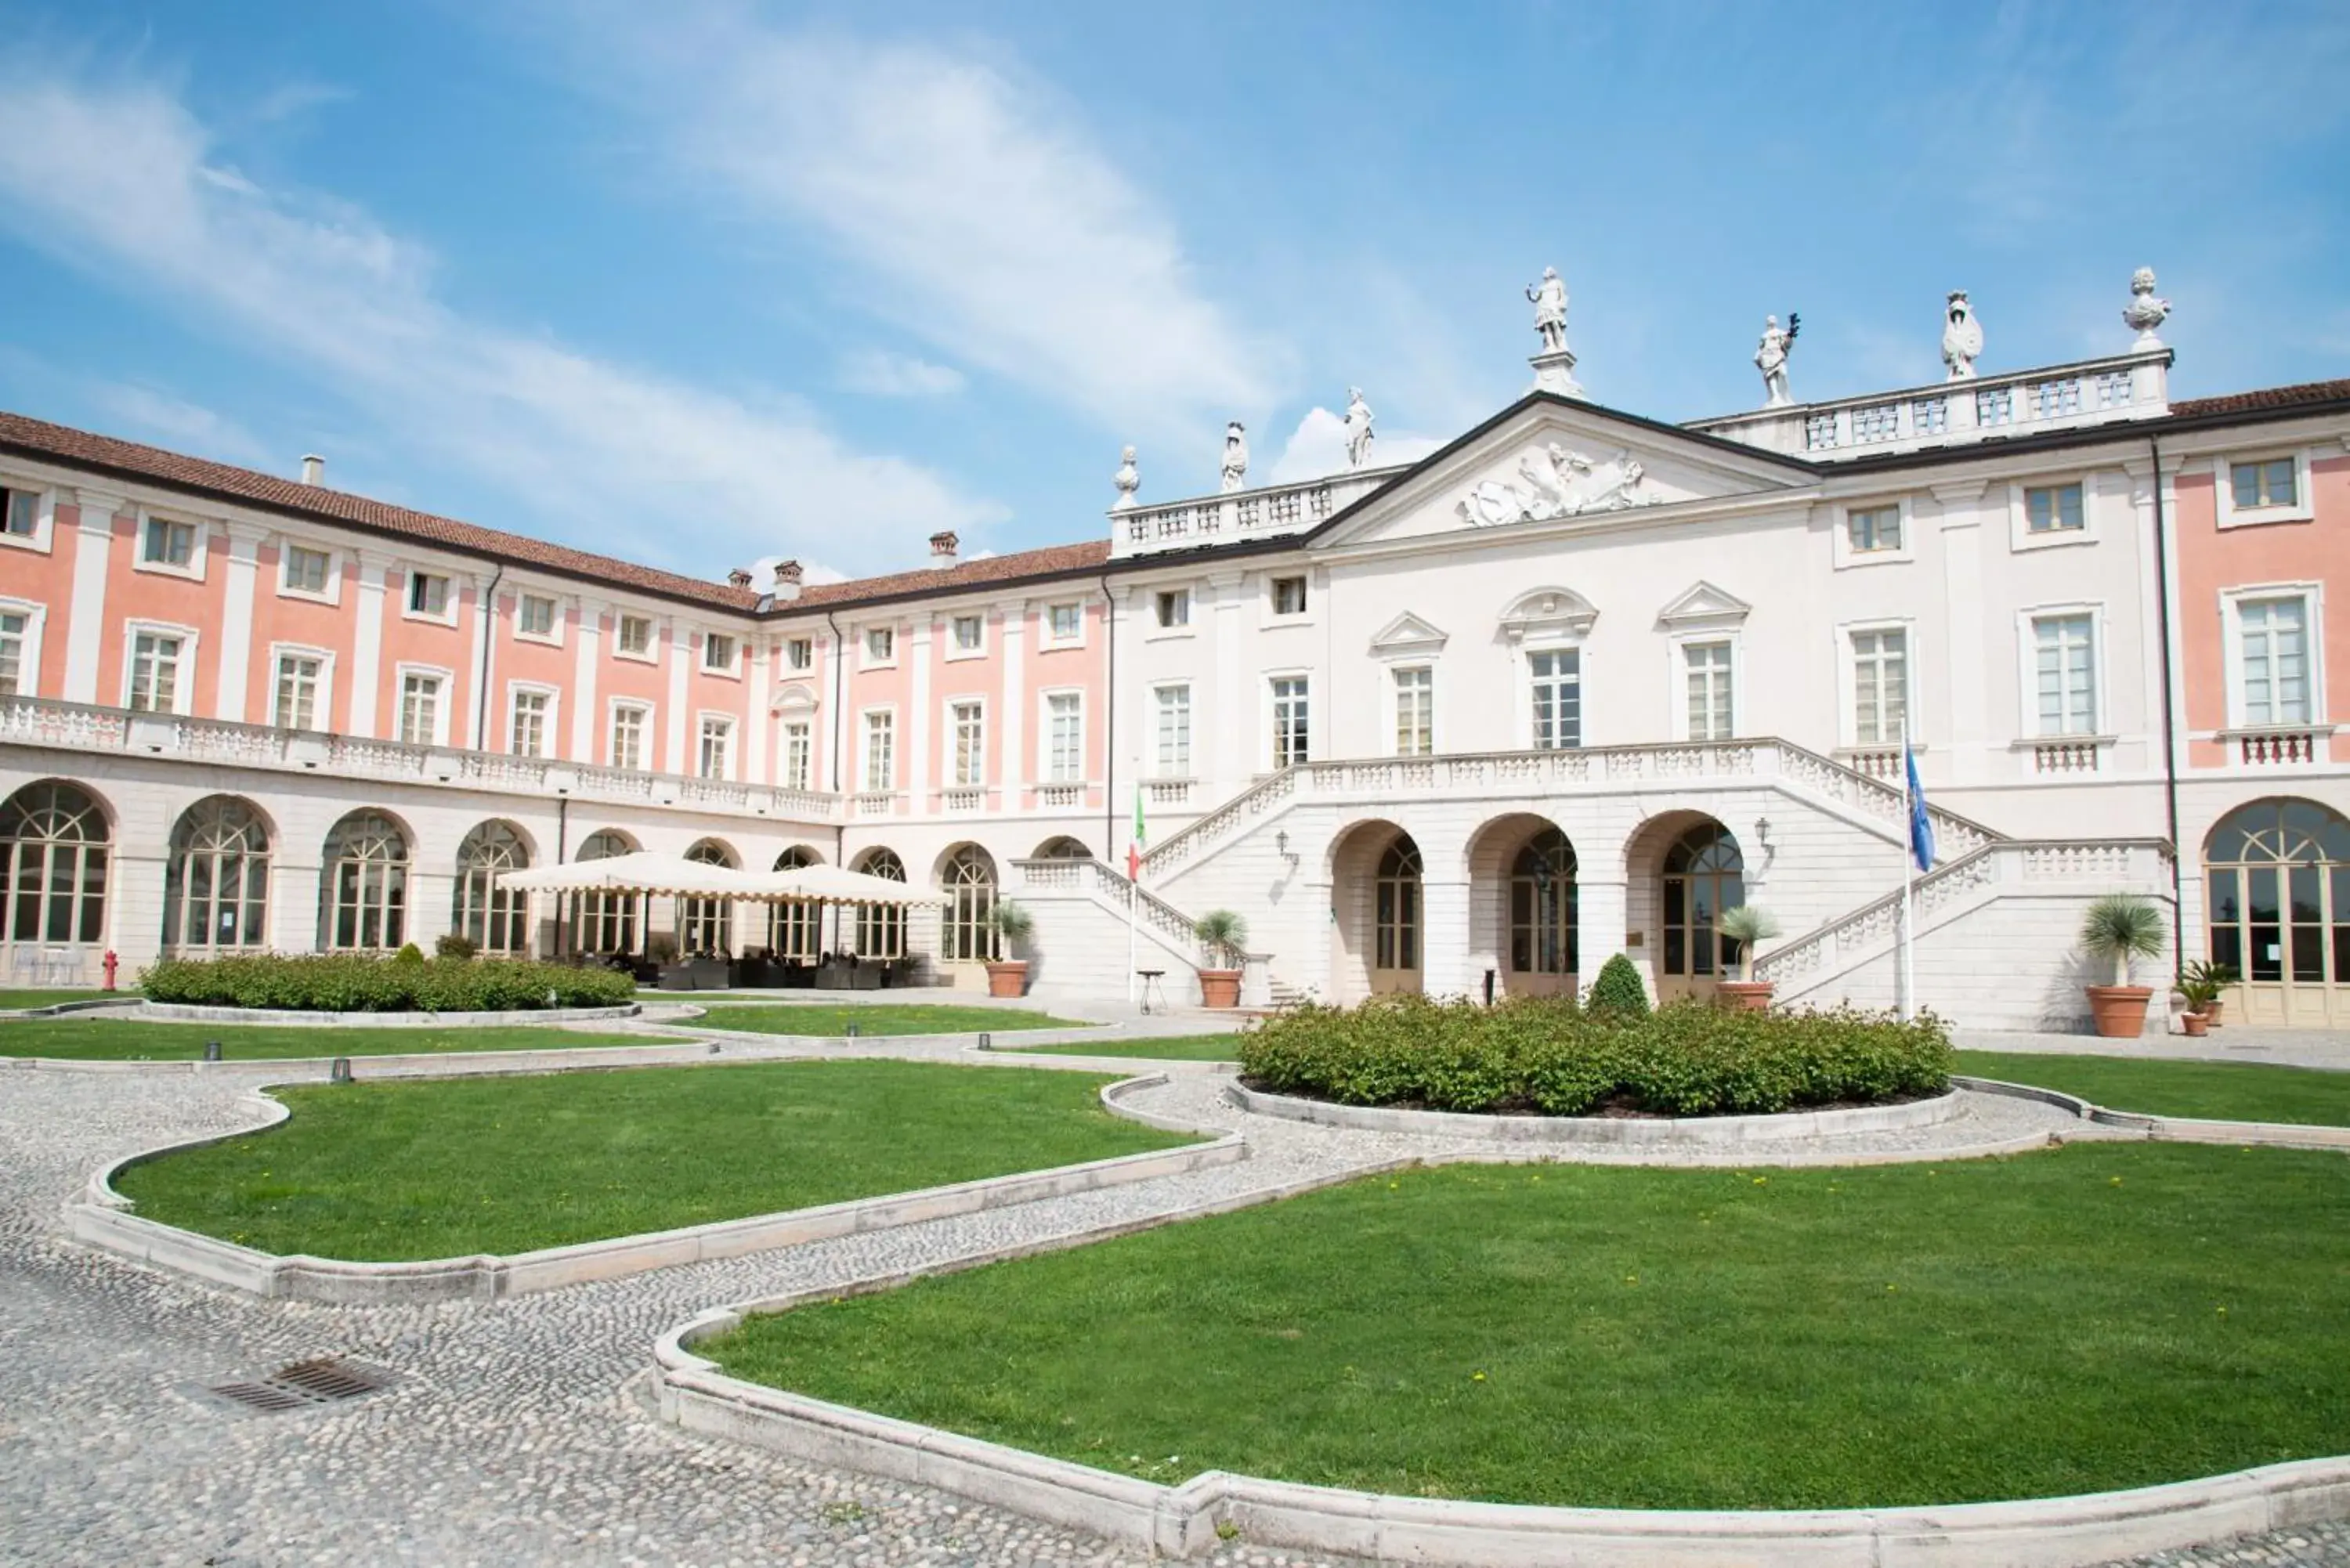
[[1262, 513]]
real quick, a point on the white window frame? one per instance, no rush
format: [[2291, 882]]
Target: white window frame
[[792, 648], [1390, 669], [408, 597], [1268, 755], [441, 705], [1523, 682], [1047, 637], [325, 699], [199, 545], [951, 740], [730, 727], [866, 783], [1159, 768], [1848, 681], [549, 748], [644, 712], [183, 676], [1273, 615], [1045, 774], [332, 594], [28, 663], [1677, 648], [2231, 607], [650, 654], [954, 650], [866, 658], [2223, 490], [1156, 629], [2027, 649], [45, 517], [1846, 556], [2020, 533], [803, 776], [730, 670], [553, 635]]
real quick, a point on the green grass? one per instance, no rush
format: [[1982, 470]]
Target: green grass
[[2226, 1091], [430, 1170], [1170, 1048], [824, 1020], [2091, 1317], [102, 1039], [12, 999]]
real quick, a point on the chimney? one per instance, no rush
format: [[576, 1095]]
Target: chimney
[[314, 469], [942, 549], [788, 581]]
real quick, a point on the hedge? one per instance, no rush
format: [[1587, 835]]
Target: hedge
[[344, 983], [1552, 1057]]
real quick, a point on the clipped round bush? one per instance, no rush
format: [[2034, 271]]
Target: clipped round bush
[[1550, 1057], [1618, 988], [351, 983]]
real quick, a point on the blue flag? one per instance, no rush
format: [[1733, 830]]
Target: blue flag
[[1922, 826]]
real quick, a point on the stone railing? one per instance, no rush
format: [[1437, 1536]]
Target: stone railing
[[1588, 767], [1258, 514], [1091, 877], [2280, 746], [73, 726]]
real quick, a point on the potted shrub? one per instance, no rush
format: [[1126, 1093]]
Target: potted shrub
[[2121, 926], [2219, 976], [2200, 990], [1222, 933], [1012, 925], [1746, 925]]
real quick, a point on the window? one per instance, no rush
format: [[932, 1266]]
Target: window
[[2270, 482], [1064, 623], [1292, 720], [969, 632], [154, 672], [966, 931], [1873, 528], [706, 925], [420, 709], [1415, 710], [1173, 730], [628, 720], [297, 704], [881, 644], [1706, 676], [305, 569], [717, 734], [428, 594], [52, 860], [20, 513], [363, 885], [1557, 698], [526, 724], [1544, 931], [534, 617], [1880, 687], [635, 637], [795, 929], [216, 883], [799, 754], [800, 653], [169, 543], [968, 721], [1289, 595], [718, 652], [1064, 737], [1174, 606], [881, 928], [880, 751], [2053, 509], [484, 909], [2065, 651], [15, 630], [2274, 649], [604, 922]]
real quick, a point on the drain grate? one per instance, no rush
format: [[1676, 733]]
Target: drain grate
[[327, 1380]]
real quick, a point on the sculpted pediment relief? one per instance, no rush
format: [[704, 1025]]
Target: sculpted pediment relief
[[1553, 480]]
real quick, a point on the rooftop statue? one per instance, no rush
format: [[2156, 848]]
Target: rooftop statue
[[1549, 300], [1128, 479], [2144, 314], [1962, 338], [1235, 466], [1770, 357], [1359, 428]]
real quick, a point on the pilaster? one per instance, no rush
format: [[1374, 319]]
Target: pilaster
[[676, 650], [1226, 721], [1603, 912], [1967, 720], [1013, 764], [236, 621], [587, 639], [367, 643], [920, 784], [1444, 969], [758, 763], [85, 621]]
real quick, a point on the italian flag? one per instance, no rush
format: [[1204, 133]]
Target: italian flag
[[1141, 838]]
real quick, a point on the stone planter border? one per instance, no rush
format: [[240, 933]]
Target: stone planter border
[[100, 1216], [2172, 1130], [1680, 1132], [186, 1012]]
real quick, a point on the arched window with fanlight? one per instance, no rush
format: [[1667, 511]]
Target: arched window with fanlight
[[881, 928], [53, 864], [493, 917], [216, 883], [1704, 874], [967, 931], [706, 925], [1395, 918], [363, 885], [604, 921], [792, 930], [2278, 872], [1543, 937]]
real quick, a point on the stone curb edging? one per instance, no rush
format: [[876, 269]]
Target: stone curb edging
[[2171, 1129], [189, 1013], [62, 1009], [1684, 1132], [100, 1217]]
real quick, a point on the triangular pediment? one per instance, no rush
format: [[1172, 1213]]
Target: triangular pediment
[[1408, 633], [1703, 604]]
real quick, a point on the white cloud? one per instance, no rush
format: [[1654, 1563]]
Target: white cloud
[[880, 373], [119, 178], [182, 425], [1318, 446]]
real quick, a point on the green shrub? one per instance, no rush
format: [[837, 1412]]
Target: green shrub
[[409, 953], [1551, 1056], [455, 945], [1618, 988], [351, 983]]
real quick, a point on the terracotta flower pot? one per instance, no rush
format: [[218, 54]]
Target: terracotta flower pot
[[1220, 988], [1009, 978], [2196, 1022], [1744, 995], [2211, 1014], [2119, 1010]]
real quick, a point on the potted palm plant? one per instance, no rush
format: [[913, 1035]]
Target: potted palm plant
[[2118, 928], [2219, 977], [1012, 925], [2201, 993], [1222, 933], [1746, 925]]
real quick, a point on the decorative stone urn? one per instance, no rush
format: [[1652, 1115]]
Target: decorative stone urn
[[1008, 977], [1220, 988], [1744, 995], [2119, 1010]]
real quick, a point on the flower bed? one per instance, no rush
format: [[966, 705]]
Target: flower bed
[[348, 983], [1552, 1058]]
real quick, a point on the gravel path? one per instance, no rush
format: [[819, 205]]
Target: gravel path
[[515, 1434]]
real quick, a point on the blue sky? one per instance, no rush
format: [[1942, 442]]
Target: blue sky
[[703, 283]]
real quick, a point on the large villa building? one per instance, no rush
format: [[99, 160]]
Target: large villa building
[[1567, 687]]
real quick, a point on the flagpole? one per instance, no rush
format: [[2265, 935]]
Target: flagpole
[[1133, 893], [1908, 980]]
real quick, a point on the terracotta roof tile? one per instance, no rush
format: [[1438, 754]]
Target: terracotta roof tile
[[1045, 561], [2264, 398]]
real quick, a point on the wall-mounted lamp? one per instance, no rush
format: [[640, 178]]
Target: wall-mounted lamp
[[1762, 837], [1281, 841]]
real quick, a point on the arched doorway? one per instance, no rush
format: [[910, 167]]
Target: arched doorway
[[706, 925], [1395, 919], [216, 884], [1543, 951], [792, 930], [881, 928], [966, 934], [52, 866], [363, 885], [493, 917], [605, 923], [1703, 874], [1062, 847], [2278, 877]]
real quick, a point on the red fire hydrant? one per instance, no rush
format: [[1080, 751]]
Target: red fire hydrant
[[110, 962]]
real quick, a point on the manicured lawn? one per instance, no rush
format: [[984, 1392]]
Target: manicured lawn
[[103, 1039], [431, 1170], [12, 999], [1170, 1048], [2095, 1316], [2227, 1091], [920, 1018]]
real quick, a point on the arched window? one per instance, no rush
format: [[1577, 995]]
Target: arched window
[[881, 928], [969, 883], [216, 885], [495, 919], [1062, 848], [1703, 876], [52, 841], [1542, 906], [1396, 911], [363, 885], [792, 929], [605, 922], [706, 925], [2279, 872]]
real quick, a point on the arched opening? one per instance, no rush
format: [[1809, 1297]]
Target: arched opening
[[881, 928], [965, 931], [2278, 872], [1703, 874], [493, 917], [1543, 950], [363, 885], [53, 867], [705, 926], [216, 882], [1061, 846], [605, 923], [1395, 918], [792, 929]]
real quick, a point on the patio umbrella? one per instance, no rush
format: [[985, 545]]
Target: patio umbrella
[[641, 872], [834, 885]]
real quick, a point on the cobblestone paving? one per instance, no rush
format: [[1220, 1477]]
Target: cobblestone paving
[[517, 1433]]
